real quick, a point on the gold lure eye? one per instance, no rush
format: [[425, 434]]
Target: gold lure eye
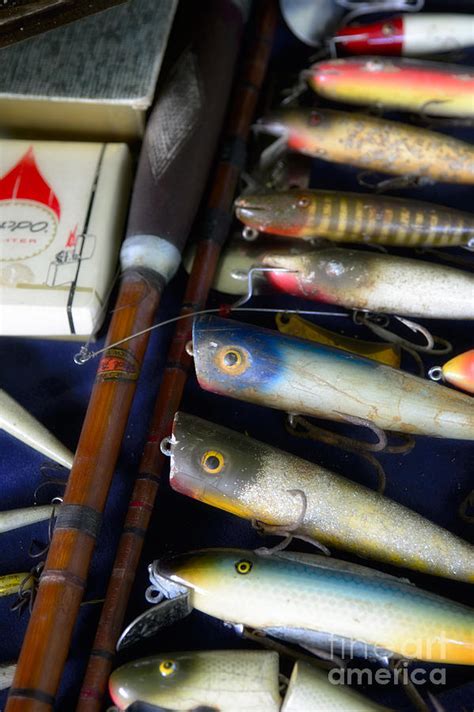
[[232, 360], [212, 461], [167, 668], [243, 566], [303, 202]]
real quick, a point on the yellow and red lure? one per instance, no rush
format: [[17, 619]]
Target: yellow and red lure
[[459, 372], [405, 84]]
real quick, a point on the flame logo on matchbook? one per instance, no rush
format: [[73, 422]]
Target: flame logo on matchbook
[[29, 211]]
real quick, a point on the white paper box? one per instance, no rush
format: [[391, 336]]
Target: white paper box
[[62, 212]]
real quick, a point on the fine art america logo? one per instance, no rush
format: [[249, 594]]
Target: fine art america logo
[[29, 211]]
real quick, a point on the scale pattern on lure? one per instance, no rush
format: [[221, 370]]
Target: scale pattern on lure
[[319, 601], [264, 367], [355, 217], [405, 84], [373, 144], [230, 681], [226, 680], [459, 371], [373, 281], [259, 482]]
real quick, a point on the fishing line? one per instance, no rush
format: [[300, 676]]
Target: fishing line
[[85, 354]]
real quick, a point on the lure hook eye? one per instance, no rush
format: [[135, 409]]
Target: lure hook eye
[[165, 446], [436, 373], [249, 233], [189, 348]]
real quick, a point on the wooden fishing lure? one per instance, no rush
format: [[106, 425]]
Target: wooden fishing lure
[[458, 371], [264, 367], [309, 689], [229, 681], [404, 84], [411, 35], [16, 518], [287, 494], [225, 680], [355, 217], [7, 671], [13, 583], [16, 421], [321, 602], [375, 281], [373, 144], [294, 325]]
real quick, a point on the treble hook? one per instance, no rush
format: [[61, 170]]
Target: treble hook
[[27, 591], [378, 326], [394, 183]]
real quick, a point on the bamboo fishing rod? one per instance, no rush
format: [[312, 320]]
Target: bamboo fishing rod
[[180, 142], [217, 221]]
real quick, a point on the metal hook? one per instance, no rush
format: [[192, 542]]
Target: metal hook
[[394, 183], [372, 322], [250, 277]]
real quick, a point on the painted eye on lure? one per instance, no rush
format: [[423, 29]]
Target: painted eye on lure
[[232, 360], [167, 668], [212, 462], [314, 119], [304, 203], [243, 566]]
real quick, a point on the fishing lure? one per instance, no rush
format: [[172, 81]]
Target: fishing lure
[[16, 518], [294, 325], [459, 371], [7, 671], [226, 680], [319, 603], [411, 35], [264, 367], [374, 281], [14, 583], [407, 85], [372, 143], [289, 495], [309, 689], [355, 217], [16, 421], [229, 681]]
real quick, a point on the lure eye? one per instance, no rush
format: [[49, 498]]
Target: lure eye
[[303, 203], [212, 461], [388, 29], [167, 668], [314, 118], [243, 566], [232, 360]]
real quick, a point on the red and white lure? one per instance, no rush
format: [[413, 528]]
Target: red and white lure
[[409, 35]]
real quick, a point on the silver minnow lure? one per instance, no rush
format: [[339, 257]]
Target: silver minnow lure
[[264, 367], [225, 680], [323, 602], [257, 481], [380, 283]]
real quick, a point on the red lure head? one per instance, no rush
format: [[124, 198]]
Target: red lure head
[[384, 37]]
